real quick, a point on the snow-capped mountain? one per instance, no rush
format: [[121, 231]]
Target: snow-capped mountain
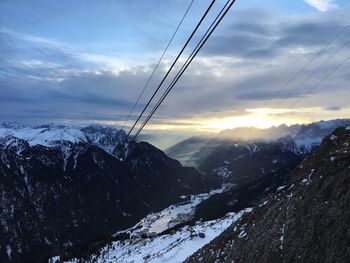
[[227, 153], [305, 137], [63, 187], [106, 138], [255, 167]]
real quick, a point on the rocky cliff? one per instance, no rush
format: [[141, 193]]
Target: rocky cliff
[[306, 221]]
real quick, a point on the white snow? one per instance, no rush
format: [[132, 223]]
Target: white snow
[[54, 135], [55, 259], [333, 137], [347, 128], [281, 188], [242, 233], [265, 202], [251, 147], [282, 236], [307, 180], [45, 136], [167, 248], [8, 251], [171, 216], [222, 171]]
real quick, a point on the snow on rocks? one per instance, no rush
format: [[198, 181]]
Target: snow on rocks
[[222, 171], [281, 188], [333, 137], [307, 180], [282, 236]]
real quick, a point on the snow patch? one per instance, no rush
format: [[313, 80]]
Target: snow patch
[[333, 137], [171, 216], [9, 251], [281, 188], [242, 233], [265, 202], [307, 180], [282, 236], [56, 259]]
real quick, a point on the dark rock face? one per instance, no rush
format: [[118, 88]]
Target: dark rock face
[[308, 221], [53, 198], [254, 169]]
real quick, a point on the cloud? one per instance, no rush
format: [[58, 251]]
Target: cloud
[[321, 5], [242, 66], [248, 40], [334, 108]]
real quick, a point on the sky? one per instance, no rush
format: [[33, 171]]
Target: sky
[[83, 61]]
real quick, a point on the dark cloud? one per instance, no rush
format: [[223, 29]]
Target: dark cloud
[[264, 95], [307, 34], [256, 40], [252, 28], [334, 108], [240, 45]]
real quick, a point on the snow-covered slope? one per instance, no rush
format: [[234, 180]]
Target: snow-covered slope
[[174, 248], [156, 223], [46, 135], [106, 138]]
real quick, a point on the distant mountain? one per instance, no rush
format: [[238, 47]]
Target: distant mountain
[[256, 168], [66, 186], [193, 150], [305, 221]]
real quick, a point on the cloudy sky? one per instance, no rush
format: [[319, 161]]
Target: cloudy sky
[[84, 61]]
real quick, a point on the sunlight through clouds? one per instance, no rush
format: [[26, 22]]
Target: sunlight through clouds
[[322, 5]]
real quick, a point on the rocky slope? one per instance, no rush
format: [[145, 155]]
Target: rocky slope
[[212, 154], [306, 221], [62, 187]]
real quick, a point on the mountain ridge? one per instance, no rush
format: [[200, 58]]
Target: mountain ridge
[[306, 221], [59, 189]]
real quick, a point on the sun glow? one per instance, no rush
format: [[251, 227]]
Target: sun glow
[[242, 121], [258, 117], [255, 117]]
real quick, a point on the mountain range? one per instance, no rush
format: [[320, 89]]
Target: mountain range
[[306, 221], [64, 187], [70, 191], [255, 161]]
